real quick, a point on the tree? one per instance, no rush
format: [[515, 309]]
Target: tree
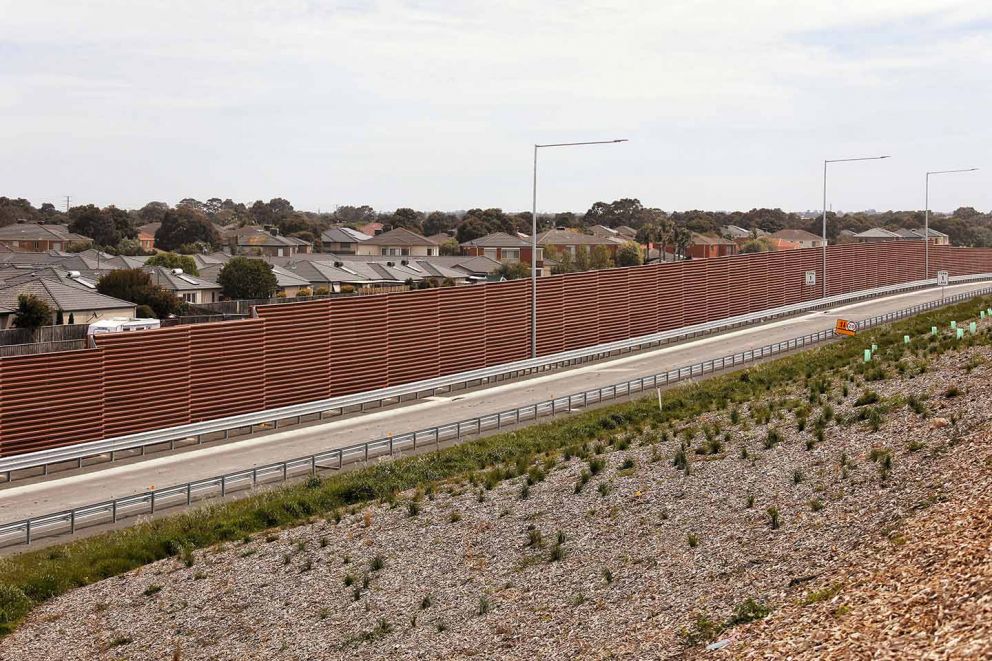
[[185, 225], [473, 228], [564, 262], [513, 271], [171, 260], [121, 220], [354, 216], [625, 211], [32, 312], [681, 237], [599, 258], [404, 217], [153, 212], [450, 247], [92, 222], [136, 286], [629, 254], [241, 277], [582, 261], [438, 222]]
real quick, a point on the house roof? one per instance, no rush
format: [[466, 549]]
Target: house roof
[[796, 235], [165, 277], [400, 237], [497, 240], [284, 277], [343, 235], [253, 236], [877, 233], [38, 232], [702, 239], [566, 238], [60, 296]]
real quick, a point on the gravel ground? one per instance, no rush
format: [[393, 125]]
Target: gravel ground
[[648, 553]]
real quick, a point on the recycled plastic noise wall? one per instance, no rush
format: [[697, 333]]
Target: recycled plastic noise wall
[[295, 353]]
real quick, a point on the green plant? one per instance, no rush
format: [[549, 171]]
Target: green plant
[[816, 504], [693, 540], [607, 575], [413, 508], [749, 503], [797, 476], [557, 554], [748, 610], [14, 605], [152, 590], [596, 465], [484, 605], [703, 630], [951, 392], [534, 538], [377, 563], [773, 517], [866, 398], [773, 438], [604, 489], [455, 516]]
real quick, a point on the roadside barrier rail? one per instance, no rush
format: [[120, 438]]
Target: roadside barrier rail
[[107, 449], [148, 503]]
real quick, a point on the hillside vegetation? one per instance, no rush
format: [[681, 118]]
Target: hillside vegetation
[[628, 531]]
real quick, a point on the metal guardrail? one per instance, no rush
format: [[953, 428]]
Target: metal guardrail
[[317, 410], [111, 511]]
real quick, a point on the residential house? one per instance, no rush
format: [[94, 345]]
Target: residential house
[[704, 247], [936, 238], [503, 248], [341, 240], [38, 237], [372, 229], [190, 288], [399, 242], [253, 240], [876, 235], [288, 284], [558, 240], [78, 304], [801, 237]]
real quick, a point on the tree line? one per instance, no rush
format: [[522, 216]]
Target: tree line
[[194, 226]]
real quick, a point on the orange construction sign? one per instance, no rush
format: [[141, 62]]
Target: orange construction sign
[[845, 327]]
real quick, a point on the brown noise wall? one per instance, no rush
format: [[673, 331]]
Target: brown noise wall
[[301, 352]]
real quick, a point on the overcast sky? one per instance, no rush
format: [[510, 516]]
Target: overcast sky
[[436, 105]]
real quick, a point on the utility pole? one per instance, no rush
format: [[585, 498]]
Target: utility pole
[[67, 198]]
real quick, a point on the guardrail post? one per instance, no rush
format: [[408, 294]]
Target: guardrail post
[[72, 522], [313, 465], [189, 493], [458, 430], [223, 484], [366, 455], [153, 502], [113, 511], [390, 446], [27, 533]]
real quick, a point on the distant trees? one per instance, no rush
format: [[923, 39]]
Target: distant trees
[[354, 216], [438, 221], [472, 228], [136, 286], [241, 277], [32, 312], [406, 218], [172, 260], [184, 227], [450, 247]]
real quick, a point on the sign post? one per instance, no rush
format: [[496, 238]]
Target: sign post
[[942, 280]]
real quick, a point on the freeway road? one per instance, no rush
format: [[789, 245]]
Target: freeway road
[[118, 480]]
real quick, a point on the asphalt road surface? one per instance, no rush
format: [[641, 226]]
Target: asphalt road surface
[[19, 501]]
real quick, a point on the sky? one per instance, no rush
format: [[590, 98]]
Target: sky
[[437, 105]]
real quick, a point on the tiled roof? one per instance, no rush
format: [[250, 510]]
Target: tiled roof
[[877, 233], [61, 296], [796, 235], [38, 232], [497, 240], [567, 238], [400, 237], [165, 278], [343, 235]]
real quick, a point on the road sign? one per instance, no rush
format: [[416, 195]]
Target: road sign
[[845, 327], [810, 278], [942, 278]]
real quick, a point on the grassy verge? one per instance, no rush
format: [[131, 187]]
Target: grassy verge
[[37, 576]]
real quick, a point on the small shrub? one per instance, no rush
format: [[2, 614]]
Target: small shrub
[[604, 489], [797, 476], [14, 605], [484, 605], [582, 481], [349, 580], [455, 516], [413, 508], [703, 630], [749, 503], [681, 459], [866, 398], [557, 554], [816, 504], [607, 575], [377, 563], [152, 589], [426, 602], [596, 465], [773, 517], [951, 392], [748, 610], [693, 540], [773, 438], [525, 491], [534, 538]]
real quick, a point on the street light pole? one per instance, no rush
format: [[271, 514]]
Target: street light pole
[[825, 162], [533, 237], [926, 217]]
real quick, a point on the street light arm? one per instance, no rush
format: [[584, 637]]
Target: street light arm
[[576, 144], [862, 158], [950, 171]]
